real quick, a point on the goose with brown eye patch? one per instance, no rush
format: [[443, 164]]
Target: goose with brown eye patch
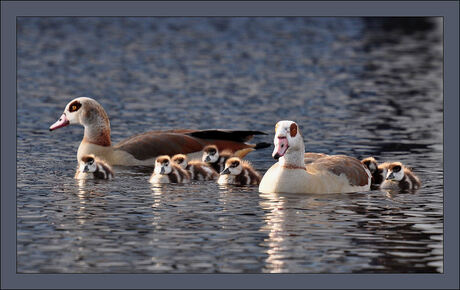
[[300, 172], [142, 149]]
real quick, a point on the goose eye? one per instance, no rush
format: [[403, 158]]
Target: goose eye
[[74, 106]]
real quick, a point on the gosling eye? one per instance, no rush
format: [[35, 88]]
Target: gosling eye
[[74, 106], [166, 163], [397, 168]]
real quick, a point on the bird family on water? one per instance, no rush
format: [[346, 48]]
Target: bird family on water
[[183, 155]]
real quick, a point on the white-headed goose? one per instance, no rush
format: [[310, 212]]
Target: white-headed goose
[[90, 167], [326, 174], [167, 171], [142, 149], [238, 172], [197, 169], [400, 177]]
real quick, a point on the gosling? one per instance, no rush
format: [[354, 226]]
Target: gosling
[[91, 167], [214, 158], [238, 172], [168, 172], [378, 172], [400, 177], [198, 170]]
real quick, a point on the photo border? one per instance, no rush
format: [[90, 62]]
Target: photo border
[[449, 10]]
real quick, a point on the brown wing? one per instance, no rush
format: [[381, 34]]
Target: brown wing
[[155, 143], [310, 157], [341, 164]]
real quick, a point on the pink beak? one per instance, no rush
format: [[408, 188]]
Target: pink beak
[[62, 122], [280, 148]]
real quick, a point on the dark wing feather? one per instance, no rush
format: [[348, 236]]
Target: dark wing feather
[[152, 144], [229, 135], [339, 164]]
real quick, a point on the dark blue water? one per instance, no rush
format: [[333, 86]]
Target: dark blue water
[[361, 87]]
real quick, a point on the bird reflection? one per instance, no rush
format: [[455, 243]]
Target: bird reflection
[[284, 222]]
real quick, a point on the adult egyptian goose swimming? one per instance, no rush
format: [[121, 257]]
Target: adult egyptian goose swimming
[[142, 149], [322, 174]]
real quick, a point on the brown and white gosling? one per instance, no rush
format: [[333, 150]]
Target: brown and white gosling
[[214, 158], [378, 171], [400, 177], [238, 172], [197, 169], [91, 167], [168, 172]]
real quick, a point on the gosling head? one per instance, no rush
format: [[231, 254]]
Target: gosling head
[[180, 159], [163, 165], [370, 163], [210, 154], [233, 166], [395, 171], [88, 164]]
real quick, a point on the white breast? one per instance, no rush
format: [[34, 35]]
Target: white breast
[[283, 180]]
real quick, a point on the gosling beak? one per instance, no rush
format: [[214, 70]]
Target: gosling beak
[[225, 171], [391, 176], [207, 159], [162, 171], [86, 169]]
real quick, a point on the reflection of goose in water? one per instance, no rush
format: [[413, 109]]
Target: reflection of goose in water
[[291, 231]]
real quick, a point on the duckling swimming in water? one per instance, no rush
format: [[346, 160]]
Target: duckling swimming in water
[[198, 170], [214, 158], [239, 172], [400, 177], [378, 172], [168, 172], [91, 167]]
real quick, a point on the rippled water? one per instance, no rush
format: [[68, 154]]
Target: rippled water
[[361, 87]]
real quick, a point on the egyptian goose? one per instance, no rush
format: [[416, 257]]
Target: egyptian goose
[[400, 177], [142, 149], [238, 172], [90, 167], [326, 174], [167, 171], [214, 158], [198, 170], [378, 171]]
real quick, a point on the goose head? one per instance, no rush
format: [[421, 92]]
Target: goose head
[[287, 139], [84, 111]]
